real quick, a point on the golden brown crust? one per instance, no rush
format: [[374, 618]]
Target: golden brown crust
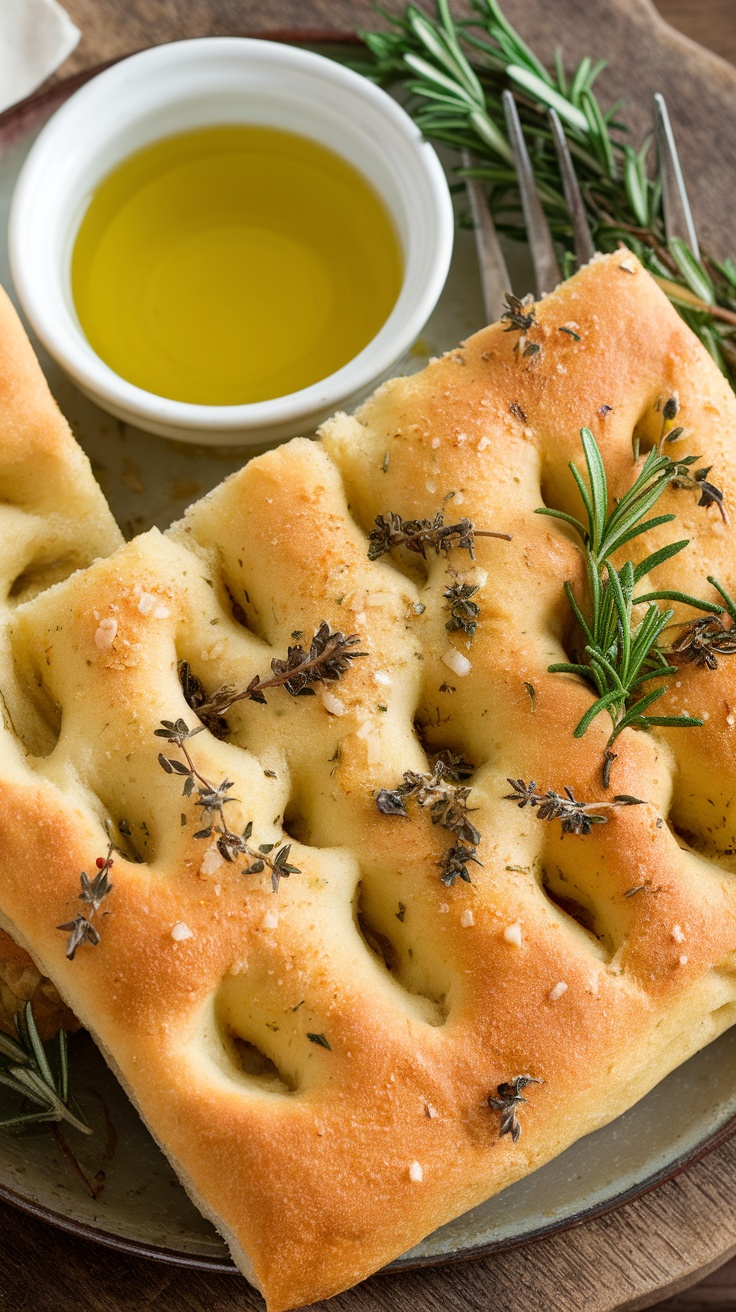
[[309, 1167]]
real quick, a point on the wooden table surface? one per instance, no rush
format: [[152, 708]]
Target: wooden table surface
[[632, 1258]]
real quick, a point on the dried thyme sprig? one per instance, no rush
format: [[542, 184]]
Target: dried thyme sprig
[[697, 479], [620, 655], [455, 861], [508, 1101], [575, 817], [701, 641], [329, 656], [447, 803], [212, 799], [25, 1068], [455, 71], [197, 700], [422, 535], [521, 313], [94, 891], [463, 611]]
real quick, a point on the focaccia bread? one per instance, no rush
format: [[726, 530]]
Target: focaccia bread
[[317, 1062], [53, 520]]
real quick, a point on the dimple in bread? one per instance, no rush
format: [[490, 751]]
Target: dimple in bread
[[325, 1110]]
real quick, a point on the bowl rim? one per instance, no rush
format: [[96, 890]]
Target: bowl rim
[[66, 342]]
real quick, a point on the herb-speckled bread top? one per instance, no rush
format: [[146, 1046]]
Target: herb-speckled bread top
[[317, 1062]]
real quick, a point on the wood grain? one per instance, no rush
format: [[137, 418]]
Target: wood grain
[[656, 1247]]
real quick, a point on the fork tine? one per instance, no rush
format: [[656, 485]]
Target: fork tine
[[678, 217], [547, 271], [494, 276], [584, 247]]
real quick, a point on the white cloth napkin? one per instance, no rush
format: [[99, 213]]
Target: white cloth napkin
[[35, 37]]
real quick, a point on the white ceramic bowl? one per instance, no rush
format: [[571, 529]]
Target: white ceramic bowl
[[190, 84]]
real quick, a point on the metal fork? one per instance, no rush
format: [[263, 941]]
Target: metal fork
[[495, 282]]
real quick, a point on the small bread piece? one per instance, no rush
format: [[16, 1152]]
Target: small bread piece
[[317, 1063], [22, 982], [53, 520]]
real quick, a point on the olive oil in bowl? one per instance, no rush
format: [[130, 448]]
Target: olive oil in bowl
[[233, 264]]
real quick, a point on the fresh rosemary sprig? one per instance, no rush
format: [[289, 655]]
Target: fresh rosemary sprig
[[25, 1068], [619, 656], [422, 535], [212, 799], [94, 891], [508, 1101], [329, 656], [575, 817], [455, 71], [447, 803]]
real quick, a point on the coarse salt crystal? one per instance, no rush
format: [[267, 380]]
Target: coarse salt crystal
[[106, 634], [416, 1173], [730, 719], [270, 920], [683, 960], [374, 750], [431, 487], [161, 613], [382, 676], [332, 704], [146, 603], [512, 934], [678, 934], [459, 498], [211, 861], [484, 442], [444, 907], [180, 931], [360, 618], [431, 1111], [467, 918], [435, 443], [455, 661], [212, 653], [558, 991]]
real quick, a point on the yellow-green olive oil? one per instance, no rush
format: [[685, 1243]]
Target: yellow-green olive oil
[[233, 264]]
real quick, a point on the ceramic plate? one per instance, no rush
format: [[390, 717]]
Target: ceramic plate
[[120, 1190]]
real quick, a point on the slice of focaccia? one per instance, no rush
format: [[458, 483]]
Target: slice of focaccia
[[53, 520], [317, 1062]]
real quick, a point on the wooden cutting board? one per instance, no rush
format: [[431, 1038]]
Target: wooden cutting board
[[664, 1242]]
